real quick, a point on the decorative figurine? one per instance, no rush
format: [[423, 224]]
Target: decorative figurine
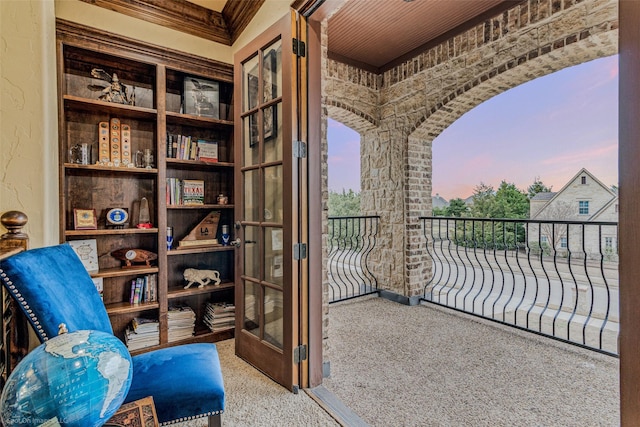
[[131, 256], [203, 277], [144, 221], [115, 92]]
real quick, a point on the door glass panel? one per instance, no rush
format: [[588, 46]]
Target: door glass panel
[[252, 303], [273, 316], [272, 116], [250, 141], [251, 195], [272, 71], [273, 255], [252, 252], [250, 82], [273, 194]]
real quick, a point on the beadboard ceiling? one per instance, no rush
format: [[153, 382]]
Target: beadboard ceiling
[[372, 34]]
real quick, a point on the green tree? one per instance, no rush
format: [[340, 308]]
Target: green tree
[[457, 207], [537, 187], [509, 202], [439, 211], [344, 204], [483, 199]]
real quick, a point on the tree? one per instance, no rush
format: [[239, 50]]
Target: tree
[[483, 198], [509, 202], [440, 211], [457, 207], [345, 204], [537, 187]]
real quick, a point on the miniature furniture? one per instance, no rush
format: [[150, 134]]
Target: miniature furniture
[[52, 286]]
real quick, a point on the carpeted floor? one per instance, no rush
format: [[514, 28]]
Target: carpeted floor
[[254, 400], [395, 365]]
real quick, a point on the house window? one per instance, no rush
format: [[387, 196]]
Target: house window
[[583, 207], [608, 242], [563, 242], [544, 239], [583, 180]]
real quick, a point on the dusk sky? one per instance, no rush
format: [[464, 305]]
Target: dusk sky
[[550, 128]]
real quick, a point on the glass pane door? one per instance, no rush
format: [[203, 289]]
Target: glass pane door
[[263, 290]]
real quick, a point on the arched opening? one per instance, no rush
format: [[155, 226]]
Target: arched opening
[[548, 128], [343, 163]]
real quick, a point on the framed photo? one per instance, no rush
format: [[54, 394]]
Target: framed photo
[[270, 70], [252, 90], [201, 97], [87, 252], [270, 122], [253, 130], [85, 219]]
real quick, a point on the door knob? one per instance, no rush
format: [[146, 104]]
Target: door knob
[[236, 242]]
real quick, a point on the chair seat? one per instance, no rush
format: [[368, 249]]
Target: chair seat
[[185, 381]]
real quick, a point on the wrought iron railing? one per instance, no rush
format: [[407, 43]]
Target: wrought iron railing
[[351, 240], [554, 278]]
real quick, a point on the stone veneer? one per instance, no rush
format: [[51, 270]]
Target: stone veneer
[[400, 112]]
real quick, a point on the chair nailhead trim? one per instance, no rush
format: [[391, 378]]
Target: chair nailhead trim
[[21, 300], [181, 420]]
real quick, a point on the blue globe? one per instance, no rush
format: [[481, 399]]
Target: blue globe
[[78, 379]]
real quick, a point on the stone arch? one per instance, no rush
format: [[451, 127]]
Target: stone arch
[[507, 76], [357, 120]]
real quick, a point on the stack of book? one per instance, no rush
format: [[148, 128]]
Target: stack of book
[[220, 316], [187, 147], [144, 289], [181, 322], [185, 191], [142, 333]]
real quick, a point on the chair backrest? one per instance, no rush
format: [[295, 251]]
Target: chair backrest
[[52, 287]]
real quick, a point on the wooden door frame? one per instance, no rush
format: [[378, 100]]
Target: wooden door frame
[[629, 178]]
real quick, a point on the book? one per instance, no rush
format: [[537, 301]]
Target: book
[[192, 192], [87, 252], [207, 151], [99, 284], [140, 413]]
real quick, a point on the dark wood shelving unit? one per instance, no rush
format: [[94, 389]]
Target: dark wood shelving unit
[[156, 77]]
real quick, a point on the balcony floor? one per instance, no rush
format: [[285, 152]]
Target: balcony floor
[[428, 366]]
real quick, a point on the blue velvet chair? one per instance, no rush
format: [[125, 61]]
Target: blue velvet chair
[[52, 287]]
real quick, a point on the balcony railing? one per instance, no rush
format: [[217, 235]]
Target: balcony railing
[[554, 278], [351, 240]]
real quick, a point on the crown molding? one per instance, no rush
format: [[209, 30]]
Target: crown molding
[[180, 15]]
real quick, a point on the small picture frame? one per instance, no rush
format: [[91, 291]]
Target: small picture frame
[[201, 97], [269, 117], [253, 130], [85, 219], [252, 90]]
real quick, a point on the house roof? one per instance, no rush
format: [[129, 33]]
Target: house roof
[[544, 196], [580, 172]]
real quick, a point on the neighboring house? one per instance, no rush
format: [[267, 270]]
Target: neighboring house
[[438, 201], [583, 199]]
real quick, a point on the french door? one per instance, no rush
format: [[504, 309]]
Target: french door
[[268, 202]]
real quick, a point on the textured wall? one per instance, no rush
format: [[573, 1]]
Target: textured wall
[[419, 98]]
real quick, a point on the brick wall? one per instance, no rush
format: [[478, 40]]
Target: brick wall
[[399, 113]]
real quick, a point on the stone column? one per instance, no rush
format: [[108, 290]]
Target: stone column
[[396, 185]]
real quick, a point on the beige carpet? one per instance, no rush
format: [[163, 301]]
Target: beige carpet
[[395, 365], [254, 400]]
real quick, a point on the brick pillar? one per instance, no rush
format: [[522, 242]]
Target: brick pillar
[[396, 185]]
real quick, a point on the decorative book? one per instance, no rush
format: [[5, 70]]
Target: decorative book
[[139, 413], [192, 192], [207, 151]]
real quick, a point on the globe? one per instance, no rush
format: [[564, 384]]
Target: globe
[[78, 379]]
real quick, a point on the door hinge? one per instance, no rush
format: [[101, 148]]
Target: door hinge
[[299, 48], [300, 251], [299, 354], [300, 149]]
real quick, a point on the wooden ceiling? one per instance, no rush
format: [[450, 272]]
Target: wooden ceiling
[[378, 34], [372, 34]]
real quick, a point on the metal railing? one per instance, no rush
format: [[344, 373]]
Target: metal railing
[[351, 240], [554, 278]]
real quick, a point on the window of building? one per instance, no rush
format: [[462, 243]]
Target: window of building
[[583, 179], [563, 242], [583, 207], [608, 242], [544, 239]]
